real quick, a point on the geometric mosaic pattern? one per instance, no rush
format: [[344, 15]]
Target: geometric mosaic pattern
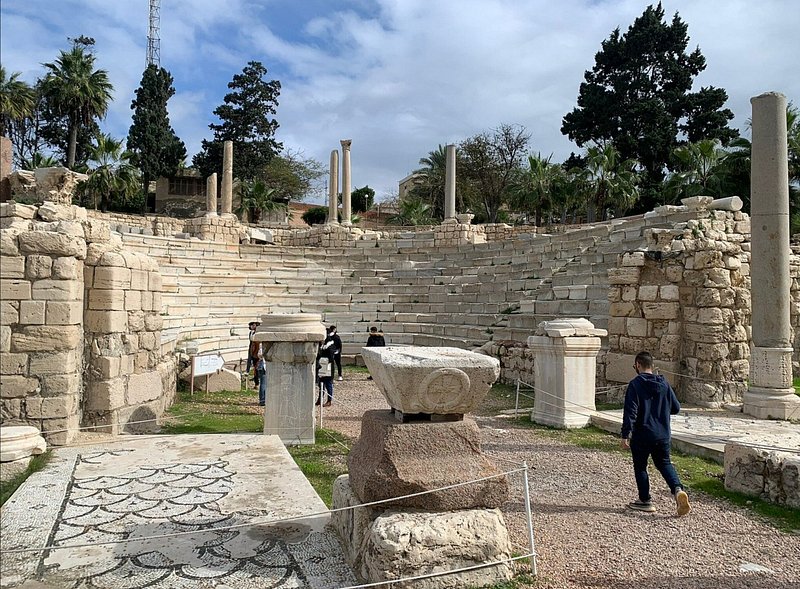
[[161, 499]]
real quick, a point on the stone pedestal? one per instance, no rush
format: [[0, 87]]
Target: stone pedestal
[[333, 189], [450, 183], [770, 394], [291, 341], [424, 443], [565, 363], [346, 187], [391, 459]]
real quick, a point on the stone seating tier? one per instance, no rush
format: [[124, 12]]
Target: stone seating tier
[[454, 296]]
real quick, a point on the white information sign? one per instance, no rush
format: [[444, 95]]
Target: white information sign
[[209, 364]]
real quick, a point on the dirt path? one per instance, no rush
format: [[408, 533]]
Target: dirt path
[[585, 536]]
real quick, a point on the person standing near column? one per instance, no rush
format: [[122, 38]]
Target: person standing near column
[[337, 349], [649, 403]]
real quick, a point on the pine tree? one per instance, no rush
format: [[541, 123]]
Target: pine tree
[[638, 96], [246, 120], [156, 149]]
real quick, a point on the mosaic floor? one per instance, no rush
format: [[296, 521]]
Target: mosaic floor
[[113, 504]]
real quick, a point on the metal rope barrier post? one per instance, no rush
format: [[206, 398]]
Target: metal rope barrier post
[[529, 516], [516, 402]]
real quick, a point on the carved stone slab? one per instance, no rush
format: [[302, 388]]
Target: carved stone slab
[[431, 380]]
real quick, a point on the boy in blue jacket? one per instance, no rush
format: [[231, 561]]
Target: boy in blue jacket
[[649, 403]]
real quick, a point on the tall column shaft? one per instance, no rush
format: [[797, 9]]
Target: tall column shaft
[[450, 184], [333, 189], [211, 194], [227, 177], [770, 393], [346, 188]]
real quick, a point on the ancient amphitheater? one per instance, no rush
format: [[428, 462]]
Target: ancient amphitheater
[[109, 298]]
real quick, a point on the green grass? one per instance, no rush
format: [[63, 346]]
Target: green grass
[[8, 487], [696, 473], [323, 462], [354, 369], [215, 413], [796, 384]]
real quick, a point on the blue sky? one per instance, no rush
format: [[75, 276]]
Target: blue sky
[[397, 77]]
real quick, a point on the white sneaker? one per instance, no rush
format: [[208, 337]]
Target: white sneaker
[[340, 378], [682, 502]]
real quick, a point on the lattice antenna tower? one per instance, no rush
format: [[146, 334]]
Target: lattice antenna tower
[[153, 36]]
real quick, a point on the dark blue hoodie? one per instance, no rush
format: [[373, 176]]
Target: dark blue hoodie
[[649, 401]]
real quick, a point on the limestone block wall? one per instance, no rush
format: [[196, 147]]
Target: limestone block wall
[[516, 361], [687, 301], [220, 229], [127, 377], [54, 328], [451, 234], [41, 312]]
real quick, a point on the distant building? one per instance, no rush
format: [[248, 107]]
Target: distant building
[[181, 195], [408, 183]]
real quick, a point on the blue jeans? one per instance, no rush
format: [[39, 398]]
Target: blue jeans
[[659, 450], [328, 384], [262, 386]]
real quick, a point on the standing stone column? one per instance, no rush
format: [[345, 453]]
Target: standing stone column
[[346, 211], [450, 184], [291, 352], [227, 178], [770, 394], [211, 195], [333, 189], [565, 363]]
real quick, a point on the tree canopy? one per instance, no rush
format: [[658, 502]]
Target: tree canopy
[[154, 147], [362, 199], [638, 96], [490, 163], [246, 119], [293, 177]]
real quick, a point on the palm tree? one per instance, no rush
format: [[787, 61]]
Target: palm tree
[[112, 176], [413, 211], [611, 182], [17, 100], [75, 89], [255, 198], [39, 160], [431, 184], [698, 169], [569, 193], [532, 187]]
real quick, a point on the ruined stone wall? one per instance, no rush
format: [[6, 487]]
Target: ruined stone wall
[[687, 300], [451, 234], [127, 379], [516, 361], [41, 311], [220, 229], [70, 306]]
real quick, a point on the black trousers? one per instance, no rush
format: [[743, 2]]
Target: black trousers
[[338, 359]]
